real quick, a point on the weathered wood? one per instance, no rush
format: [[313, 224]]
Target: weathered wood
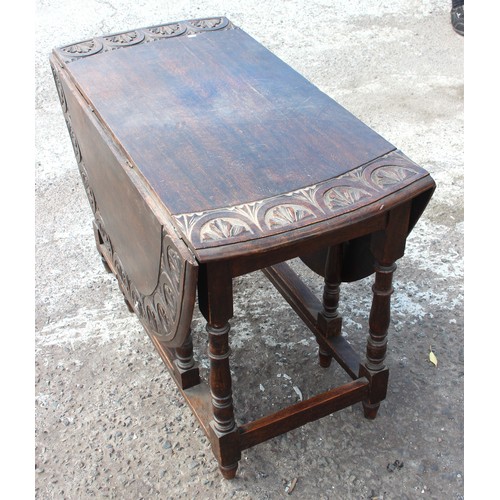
[[197, 396], [226, 130], [216, 296], [301, 413], [155, 270], [188, 372], [329, 320], [387, 246], [204, 157]]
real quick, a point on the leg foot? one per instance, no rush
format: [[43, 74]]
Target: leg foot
[[229, 472], [325, 358], [370, 410], [374, 368]]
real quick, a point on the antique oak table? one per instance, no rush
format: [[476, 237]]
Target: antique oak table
[[205, 157]]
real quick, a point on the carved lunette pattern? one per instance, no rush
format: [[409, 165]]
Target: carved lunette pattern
[[363, 185], [160, 311], [98, 45]]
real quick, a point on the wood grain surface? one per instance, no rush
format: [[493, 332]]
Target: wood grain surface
[[215, 120]]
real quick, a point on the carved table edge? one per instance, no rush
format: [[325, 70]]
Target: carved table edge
[[137, 36], [361, 187]]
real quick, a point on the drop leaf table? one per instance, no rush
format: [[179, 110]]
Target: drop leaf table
[[205, 157]]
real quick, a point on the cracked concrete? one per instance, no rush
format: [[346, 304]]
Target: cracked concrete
[[109, 420]]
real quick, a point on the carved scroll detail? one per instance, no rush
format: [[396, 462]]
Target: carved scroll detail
[[160, 311], [97, 45]]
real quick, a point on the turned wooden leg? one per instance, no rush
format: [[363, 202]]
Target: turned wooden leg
[[187, 373], [220, 378], [220, 389], [184, 354], [380, 317], [325, 357], [329, 320], [216, 304], [387, 246]]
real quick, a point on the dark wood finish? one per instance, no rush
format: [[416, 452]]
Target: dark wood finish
[[187, 371], [358, 260], [367, 185], [329, 320], [217, 307], [252, 255], [304, 412], [170, 76], [184, 355], [387, 247], [157, 273], [204, 157]]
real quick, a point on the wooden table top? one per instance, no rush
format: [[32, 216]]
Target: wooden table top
[[235, 143]]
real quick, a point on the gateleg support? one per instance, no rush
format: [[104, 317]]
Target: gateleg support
[[329, 320]]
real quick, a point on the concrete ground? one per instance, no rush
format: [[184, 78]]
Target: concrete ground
[[110, 422]]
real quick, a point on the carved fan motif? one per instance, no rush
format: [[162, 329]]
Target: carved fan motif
[[207, 23], [160, 309], [60, 91], [86, 185], [174, 262], [151, 319], [223, 228], [144, 35], [137, 302], [319, 201], [104, 235], [74, 142], [344, 196], [128, 38], [391, 174], [168, 294], [80, 48], [121, 275], [165, 320], [168, 30], [283, 215]]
